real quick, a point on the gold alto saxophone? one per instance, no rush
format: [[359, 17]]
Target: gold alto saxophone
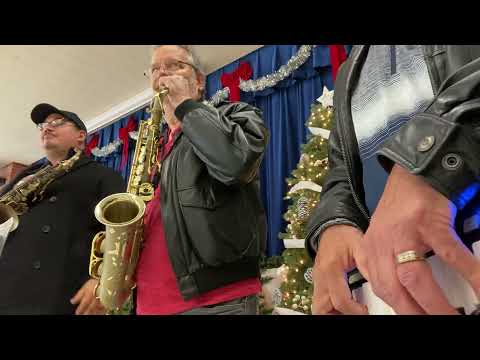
[[16, 201], [116, 250]]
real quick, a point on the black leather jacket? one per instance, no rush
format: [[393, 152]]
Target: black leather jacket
[[214, 221], [441, 144]]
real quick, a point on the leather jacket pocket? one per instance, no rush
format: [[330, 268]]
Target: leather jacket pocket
[[220, 226]]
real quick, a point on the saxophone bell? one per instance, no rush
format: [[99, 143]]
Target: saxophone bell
[[115, 251]]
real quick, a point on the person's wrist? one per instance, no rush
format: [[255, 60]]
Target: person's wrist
[[342, 230]]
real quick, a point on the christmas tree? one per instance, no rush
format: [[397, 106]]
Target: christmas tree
[[305, 186]]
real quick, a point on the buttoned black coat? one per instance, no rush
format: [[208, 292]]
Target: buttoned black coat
[[45, 261]]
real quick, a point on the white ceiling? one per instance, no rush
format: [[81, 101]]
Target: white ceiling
[[88, 80]]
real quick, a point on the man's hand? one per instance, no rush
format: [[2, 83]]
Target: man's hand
[[88, 303], [337, 254], [179, 90], [411, 215]]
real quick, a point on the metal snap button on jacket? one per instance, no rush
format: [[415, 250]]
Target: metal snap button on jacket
[[46, 229], [426, 143], [451, 161]]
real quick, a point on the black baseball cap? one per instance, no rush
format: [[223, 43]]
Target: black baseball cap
[[42, 111]]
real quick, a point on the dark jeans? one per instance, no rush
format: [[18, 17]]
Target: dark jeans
[[247, 305]]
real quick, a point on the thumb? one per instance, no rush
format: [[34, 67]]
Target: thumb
[[361, 260], [78, 296]]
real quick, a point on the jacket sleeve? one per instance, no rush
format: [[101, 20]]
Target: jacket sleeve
[[442, 144], [337, 205], [230, 140]]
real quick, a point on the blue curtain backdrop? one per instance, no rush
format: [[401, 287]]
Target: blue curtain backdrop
[[285, 107]]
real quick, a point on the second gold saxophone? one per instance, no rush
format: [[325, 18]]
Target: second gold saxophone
[[116, 250], [30, 190]]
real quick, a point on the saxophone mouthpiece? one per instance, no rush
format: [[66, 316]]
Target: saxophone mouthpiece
[[163, 91]]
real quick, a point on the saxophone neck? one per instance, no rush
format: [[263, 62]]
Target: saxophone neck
[[156, 106], [68, 163], [61, 157]]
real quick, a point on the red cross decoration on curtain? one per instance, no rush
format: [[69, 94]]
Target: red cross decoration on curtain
[[92, 144], [123, 135], [232, 80]]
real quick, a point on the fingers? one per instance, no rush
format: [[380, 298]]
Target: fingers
[[334, 258], [361, 260], [164, 82], [180, 88], [321, 303], [331, 295], [334, 312], [381, 269], [417, 278], [90, 308], [83, 306], [95, 308], [170, 81], [449, 248], [341, 296], [78, 296], [386, 285], [409, 288]]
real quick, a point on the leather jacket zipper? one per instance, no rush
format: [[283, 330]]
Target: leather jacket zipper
[[343, 145], [355, 196]]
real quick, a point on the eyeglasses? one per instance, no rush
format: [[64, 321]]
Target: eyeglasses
[[54, 123], [169, 67]]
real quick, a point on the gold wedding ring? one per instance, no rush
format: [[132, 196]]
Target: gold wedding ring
[[408, 256]]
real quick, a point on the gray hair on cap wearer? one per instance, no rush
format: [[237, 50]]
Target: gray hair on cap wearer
[[191, 54]]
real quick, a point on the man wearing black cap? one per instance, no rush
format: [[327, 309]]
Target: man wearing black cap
[[44, 263]]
